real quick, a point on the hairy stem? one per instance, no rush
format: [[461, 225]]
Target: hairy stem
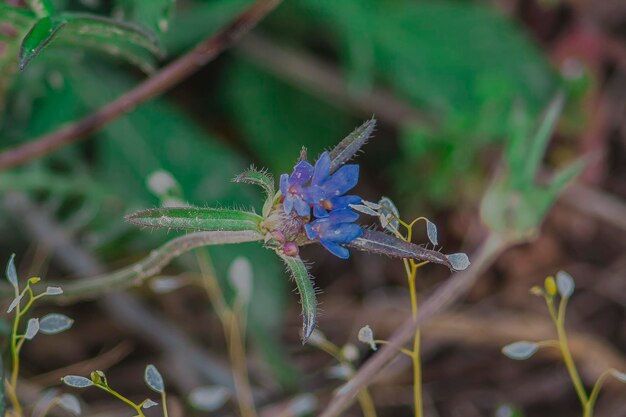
[[151, 265]]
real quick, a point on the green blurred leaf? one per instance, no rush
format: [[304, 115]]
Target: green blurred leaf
[[196, 218], [116, 38], [154, 14], [41, 8], [15, 24], [277, 120]]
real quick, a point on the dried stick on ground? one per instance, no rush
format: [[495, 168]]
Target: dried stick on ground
[[443, 297], [160, 82]]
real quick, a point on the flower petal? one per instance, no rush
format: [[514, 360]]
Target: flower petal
[[302, 173], [311, 232], [343, 216], [342, 181], [288, 204], [337, 250], [344, 233], [302, 208], [322, 169], [284, 183]]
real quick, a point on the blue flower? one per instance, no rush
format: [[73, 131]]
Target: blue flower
[[337, 227], [326, 192], [293, 188]]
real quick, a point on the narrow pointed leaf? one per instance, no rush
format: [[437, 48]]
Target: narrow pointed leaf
[[541, 137], [300, 274], [564, 176], [348, 147], [384, 244], [195, 218], [113, 37], [11, 272]]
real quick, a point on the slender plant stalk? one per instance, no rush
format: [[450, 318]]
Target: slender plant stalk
[[234, 330], [594, 393], [363, 397], [559, 321], [164, 403], [125, 400], [448, 293]]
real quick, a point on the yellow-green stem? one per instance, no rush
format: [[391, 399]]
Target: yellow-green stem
[[416, 359], [594, 394], [234, 331], [123, 399], [565, 351], [242, 381], [164, 403]]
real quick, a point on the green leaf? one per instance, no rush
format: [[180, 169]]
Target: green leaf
[[113, 37], [304, 283], [539, 141], [258, 177], [41, 8], [154, 14], [196, 218]]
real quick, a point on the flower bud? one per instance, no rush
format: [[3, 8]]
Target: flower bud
[[550, 286]]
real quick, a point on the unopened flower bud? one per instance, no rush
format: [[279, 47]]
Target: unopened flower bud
[[291, 249]]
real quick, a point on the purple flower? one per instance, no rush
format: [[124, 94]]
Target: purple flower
[[337, 227], [326, 192], [293, 188]]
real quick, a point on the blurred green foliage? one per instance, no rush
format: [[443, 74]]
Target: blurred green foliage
[[461, 63]]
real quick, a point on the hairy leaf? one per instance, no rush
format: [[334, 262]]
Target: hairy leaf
[[300, 274], [351, 144], [195, 218]]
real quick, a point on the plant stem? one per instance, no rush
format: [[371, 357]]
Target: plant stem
[[164, 403], [123, 399], [15, 357], [415, 354], [234, 330], [594, 394], [363, 396], [559, 321]]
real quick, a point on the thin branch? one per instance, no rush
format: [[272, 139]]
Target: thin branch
[[160, 82], [447, 294]]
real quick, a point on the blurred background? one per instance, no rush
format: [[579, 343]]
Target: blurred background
[[442, 78]]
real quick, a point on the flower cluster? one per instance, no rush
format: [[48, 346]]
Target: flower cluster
[[318, 189]]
